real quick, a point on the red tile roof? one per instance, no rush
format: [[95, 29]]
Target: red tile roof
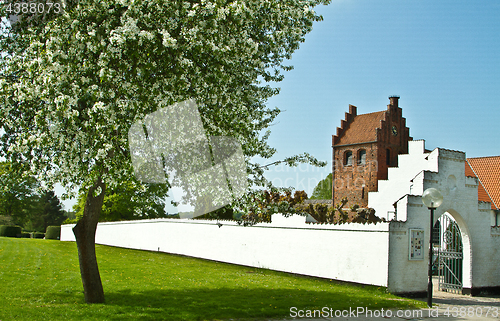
[[468, 171], [362, 129], [487, 170], [481, 192]]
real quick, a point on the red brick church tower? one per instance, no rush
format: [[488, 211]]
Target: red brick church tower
[[364, 148]]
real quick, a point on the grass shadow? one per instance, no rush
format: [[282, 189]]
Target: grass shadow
[[222, 303]]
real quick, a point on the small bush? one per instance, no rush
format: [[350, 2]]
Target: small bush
[[53, 233], [71, 221], [10, 231], [38, 235], [26, 235]]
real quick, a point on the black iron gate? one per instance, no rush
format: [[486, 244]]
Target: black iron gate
[[449, 260]]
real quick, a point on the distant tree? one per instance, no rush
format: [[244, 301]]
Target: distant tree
[[50, 210], [6, 220], [323, 191], [129, 201], [18, 194], [223, 213], [25, 203], [269, 202], [71, 215]]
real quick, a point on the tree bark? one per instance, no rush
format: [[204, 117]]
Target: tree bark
[[84, 232]]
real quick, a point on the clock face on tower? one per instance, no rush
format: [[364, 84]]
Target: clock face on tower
[[394, 131]]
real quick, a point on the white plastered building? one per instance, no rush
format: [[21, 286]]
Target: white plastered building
[[400, 199]]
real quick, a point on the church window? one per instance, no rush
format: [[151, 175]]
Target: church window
[[388, 156], [362, 157], [348, 158]]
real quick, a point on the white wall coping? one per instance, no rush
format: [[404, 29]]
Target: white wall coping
[[278, 221]]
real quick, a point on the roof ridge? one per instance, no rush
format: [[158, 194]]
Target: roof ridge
[[497, 156], [374, 112]]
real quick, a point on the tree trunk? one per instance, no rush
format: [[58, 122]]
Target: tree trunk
[[84, 232]]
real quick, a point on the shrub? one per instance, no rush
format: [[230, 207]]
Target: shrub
[[71, 221], [337, 214], [53, 233], [38, 235], [26, 235], [10, 231]]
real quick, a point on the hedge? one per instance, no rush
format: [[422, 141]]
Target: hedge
[[10, 231], [38, 235], [53, 233]]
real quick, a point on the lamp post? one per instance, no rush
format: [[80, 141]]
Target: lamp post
[[431, 198]]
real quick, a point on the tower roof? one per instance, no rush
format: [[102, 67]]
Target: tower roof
[[366, 128], [362, 129]]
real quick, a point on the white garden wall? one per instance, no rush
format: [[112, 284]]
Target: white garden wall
[[350, 252], [368, 254]]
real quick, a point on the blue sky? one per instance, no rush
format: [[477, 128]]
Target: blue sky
[[441, 57]]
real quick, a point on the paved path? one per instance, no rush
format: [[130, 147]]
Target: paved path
[[454, 303], [445, 307]]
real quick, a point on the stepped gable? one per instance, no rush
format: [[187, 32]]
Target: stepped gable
[[363, 128], [344, 124], [487, 170]]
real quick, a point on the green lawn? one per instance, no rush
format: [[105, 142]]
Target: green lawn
[[40, 280]]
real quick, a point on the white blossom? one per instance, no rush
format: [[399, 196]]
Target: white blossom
[[168, 41], [146, 34], [92, 78]]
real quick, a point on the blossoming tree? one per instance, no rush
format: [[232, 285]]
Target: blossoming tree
[[72, 84]]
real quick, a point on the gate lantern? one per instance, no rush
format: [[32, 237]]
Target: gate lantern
[[431, 198]]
